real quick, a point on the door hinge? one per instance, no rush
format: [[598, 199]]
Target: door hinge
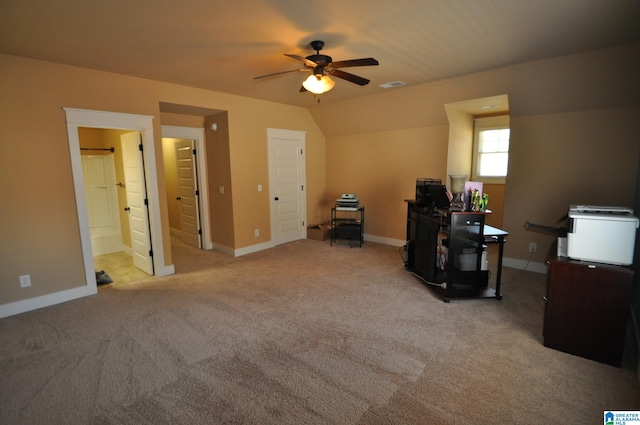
[[150, 253], [194, 151], [146, 201], [140, 147], [301, 187], [199, 231], [303, 223], [197, 192]]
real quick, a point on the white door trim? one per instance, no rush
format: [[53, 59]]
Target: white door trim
[[196, 134], [119, 121]]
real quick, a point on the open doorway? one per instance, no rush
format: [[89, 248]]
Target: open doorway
[[115, 191], [143, 128], [185, 169]]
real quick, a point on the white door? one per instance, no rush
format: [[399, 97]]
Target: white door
[[98, 172], [188, 193], [137, 202], [99, 176], [287, 185]]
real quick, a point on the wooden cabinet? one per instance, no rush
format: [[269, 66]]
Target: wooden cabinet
[[587, 309]]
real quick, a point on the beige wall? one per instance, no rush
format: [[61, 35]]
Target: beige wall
[[39, 228], [496, 204], [381, 168], [574, 140], [583, 157], [219, 161]]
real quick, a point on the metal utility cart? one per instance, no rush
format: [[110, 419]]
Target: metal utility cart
[[347, 223]]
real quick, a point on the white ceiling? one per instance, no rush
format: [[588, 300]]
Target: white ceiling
[[222, 45]]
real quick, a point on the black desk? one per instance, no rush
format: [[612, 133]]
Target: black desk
[[495, 235], [463, 235]]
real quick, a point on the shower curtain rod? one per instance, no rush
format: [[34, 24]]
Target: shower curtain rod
[[98, 149]]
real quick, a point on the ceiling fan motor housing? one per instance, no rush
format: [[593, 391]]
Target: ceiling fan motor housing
[[320, 60], [317, 45]]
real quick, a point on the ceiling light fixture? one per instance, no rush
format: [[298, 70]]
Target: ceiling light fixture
[[318, 83]]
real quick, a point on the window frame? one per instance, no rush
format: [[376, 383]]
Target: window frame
[[488, 123]]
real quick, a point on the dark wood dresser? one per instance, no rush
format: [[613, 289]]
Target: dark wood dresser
[[587, 308]]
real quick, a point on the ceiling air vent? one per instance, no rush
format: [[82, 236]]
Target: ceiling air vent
[[393, 84]]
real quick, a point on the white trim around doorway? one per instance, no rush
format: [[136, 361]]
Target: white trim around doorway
[[120, 121], [197, 134]]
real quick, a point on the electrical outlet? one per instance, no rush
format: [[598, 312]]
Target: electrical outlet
[[533, 247], [257, 232], [25, 280]]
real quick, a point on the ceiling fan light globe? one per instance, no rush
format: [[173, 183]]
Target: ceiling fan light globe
[[318, 84]]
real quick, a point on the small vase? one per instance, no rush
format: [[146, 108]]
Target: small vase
[[457, 189]]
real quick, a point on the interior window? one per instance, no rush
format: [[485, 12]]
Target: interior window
[[491, 149]]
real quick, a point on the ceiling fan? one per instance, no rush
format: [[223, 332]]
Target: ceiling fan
[[321, 66]]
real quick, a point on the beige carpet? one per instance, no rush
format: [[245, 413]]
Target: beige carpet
[[304, 333]]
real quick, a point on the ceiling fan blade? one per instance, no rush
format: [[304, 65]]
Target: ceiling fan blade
[[349, 77], [307, 62], [280, 73], [354, 62]]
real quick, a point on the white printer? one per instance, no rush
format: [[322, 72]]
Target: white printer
[[601, 234], [348, 202]]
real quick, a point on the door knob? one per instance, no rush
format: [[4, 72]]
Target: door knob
[[178, 198], [127, 209], [276, 198]]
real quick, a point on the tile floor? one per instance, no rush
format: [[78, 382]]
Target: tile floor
[[119, 266]]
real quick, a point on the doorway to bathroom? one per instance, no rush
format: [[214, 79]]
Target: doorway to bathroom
[[140, 185], [115, 194]]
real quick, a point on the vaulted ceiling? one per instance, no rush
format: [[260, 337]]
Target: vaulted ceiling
[[222, 46]]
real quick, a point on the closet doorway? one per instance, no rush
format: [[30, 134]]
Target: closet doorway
[[185, 169]]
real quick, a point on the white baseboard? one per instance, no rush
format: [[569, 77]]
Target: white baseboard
[[165, 271], [529, 266], [23, 306], [223, 249], [241, 251], [253, 248], [384, 240]]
